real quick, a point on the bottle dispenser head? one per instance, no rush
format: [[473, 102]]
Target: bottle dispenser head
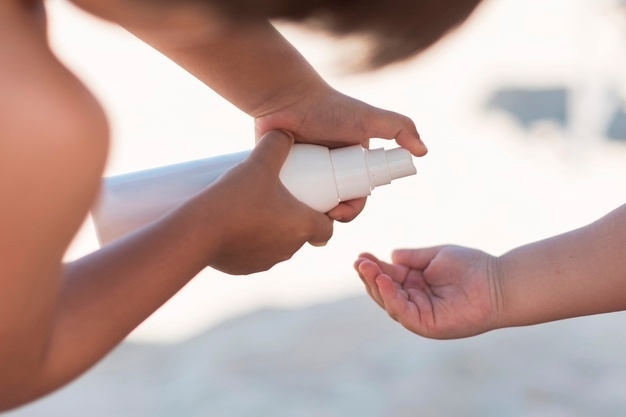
[[358, 170], [388, 165]]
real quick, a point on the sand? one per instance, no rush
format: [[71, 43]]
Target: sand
[[347, 358]]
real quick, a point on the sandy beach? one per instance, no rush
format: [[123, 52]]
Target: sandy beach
[[346, 358], [521, 113]]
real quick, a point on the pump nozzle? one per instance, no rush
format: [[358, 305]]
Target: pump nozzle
[[400, 163], [388, 165], [357, 171]]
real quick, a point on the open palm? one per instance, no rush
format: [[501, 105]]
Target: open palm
[[441, 292]]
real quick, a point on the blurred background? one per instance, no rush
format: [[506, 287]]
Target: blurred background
[[523, 113]]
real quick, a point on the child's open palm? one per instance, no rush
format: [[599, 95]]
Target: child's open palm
[[440, 292]]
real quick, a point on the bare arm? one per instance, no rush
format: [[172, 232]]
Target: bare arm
[[254, 67], [72, 315], [57, 320], [451, 291], [578, 273]]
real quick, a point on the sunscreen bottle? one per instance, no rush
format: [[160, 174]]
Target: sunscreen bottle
[[315, 175]]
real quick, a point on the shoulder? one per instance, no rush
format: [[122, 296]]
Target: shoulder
[[53, 133]]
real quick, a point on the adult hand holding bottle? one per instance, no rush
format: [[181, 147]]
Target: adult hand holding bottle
[[260, 222]]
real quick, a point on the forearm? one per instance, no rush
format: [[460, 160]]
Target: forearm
[[250, 65], [578, 273], [105, 295]]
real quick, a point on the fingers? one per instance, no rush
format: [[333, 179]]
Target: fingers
[[348, 210], [415, 258], [384, 266], [390, 125], [383, 289], [408, 310], [394, 301], [368, 271], [410, 139], [272, 149], [403, 305], [370, 268]]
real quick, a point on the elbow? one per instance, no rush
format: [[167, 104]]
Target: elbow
[[24, 380], [22, 369], [17, 388]]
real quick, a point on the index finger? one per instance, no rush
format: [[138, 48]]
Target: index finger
[[347, 211]]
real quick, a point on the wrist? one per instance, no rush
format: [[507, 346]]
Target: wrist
[[522, 300], [196, 228], [501, 288]]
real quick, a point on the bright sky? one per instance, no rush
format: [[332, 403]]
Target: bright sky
[[484, 183]]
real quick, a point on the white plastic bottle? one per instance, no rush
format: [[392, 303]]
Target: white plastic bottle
[[315, 175]]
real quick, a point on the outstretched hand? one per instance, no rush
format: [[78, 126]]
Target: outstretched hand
[[324, 116], [443, 292]]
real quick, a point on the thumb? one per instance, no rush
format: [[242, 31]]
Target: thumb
[[272, 149], [415, 258], [386, 124]]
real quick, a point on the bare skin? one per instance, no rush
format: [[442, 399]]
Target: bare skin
[[259, 71], [450, 292], [58, 319]]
